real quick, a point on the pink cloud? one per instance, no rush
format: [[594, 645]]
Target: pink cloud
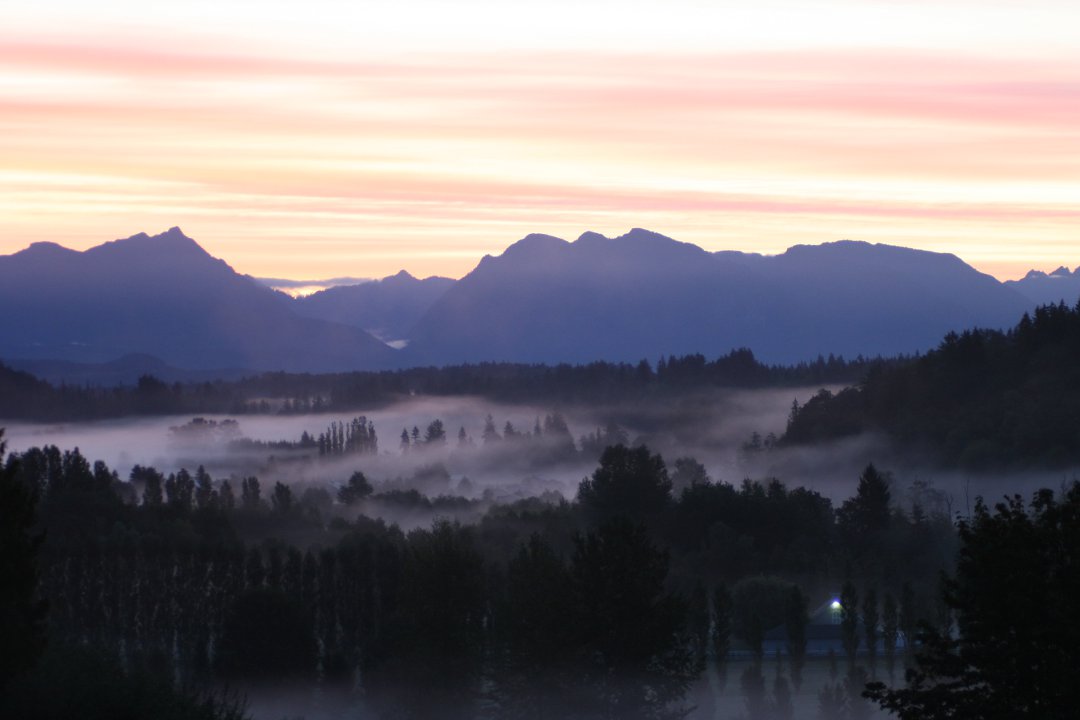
[[510, 141]]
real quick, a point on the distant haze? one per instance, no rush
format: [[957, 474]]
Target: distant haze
[[302, 288]]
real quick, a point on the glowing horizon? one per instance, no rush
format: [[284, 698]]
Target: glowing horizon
[[316, 141]]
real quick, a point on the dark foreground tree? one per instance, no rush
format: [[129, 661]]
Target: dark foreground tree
[[431, 663], [1014, 597], [598, 639], [267, 637], [355, 490], [720, 638], [536, 664], [630, 482], [22, 613], [849, 623], [796, 620], [78, 681], [637, 662], [890, 630]]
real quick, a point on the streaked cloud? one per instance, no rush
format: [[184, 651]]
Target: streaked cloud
[[310, 159]]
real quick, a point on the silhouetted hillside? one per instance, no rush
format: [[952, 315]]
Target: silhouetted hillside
[[643, 294], [1049, 288], [983, 399], [163, 296], [386, 308], [544, 300]]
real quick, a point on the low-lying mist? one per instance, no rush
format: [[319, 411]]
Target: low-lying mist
[[731, 432]]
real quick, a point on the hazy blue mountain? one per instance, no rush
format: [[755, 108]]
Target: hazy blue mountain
[[386, 308], [642, 295], [166, 297], [1045, 288]]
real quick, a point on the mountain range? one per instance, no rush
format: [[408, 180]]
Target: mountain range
[[1049, 288], [163, 296], [387, 308], [643, 294], [544, 299]]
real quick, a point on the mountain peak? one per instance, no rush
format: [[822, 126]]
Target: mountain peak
[[401, 279], [863, 248], [835, 245], [1049, 288], [165, 296], [174, 236], [45, 249], [644, 293], [171, 245], [535, 245], [643, 234]]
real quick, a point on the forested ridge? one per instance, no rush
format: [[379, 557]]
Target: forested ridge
[[22, 396], [983, 400]]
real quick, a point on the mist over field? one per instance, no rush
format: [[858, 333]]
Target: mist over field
[[715, 427], [711, 426]]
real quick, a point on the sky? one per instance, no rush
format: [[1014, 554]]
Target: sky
[[321, 139]]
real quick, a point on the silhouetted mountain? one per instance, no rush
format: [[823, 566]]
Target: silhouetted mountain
[[643, 294], [386, 308], [164, 296], [1049, 288]]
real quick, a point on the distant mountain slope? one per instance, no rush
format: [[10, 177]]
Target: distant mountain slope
[[1049, 288], [386, 308], [643, 294], [163, 296]]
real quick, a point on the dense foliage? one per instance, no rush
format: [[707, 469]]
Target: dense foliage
[[21, 610], [983, 399], [22, 396], [591, 609], [1014, 648]]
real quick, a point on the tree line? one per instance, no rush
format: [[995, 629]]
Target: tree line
[[23, 396]]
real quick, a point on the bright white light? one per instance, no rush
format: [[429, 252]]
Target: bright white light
[[835, 605]]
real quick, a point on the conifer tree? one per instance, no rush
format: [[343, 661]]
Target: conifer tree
[[795, 622], [889, 631], [22, 612], [870, 620], [722, 606], [849, 623]]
